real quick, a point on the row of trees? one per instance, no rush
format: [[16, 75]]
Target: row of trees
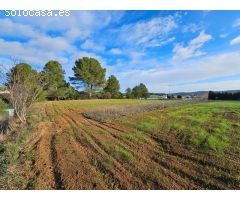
[[89, 73], [27, 86], [139, 91], [223, 95]]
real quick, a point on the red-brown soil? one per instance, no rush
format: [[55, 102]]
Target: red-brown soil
[[73, 152]]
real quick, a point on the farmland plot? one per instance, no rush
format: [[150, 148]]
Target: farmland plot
[[150, 146]]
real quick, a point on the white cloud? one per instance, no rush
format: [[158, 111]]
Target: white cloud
[[224, 35], [10, 28], [217, 86], [28, 53], [191, 28], [51, 44], [162, 78], [235, 40], [42, 44], [144, 32], [159, 42], [236, 23], [88, 44], [192, 49], [115, 51], [79, 25]]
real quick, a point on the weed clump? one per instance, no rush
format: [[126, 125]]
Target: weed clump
[[122, 154]]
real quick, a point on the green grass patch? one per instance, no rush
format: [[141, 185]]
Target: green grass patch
[[10, 151], [204, 125], [146, 126], [122, 154], [135, 137], [3, 105]]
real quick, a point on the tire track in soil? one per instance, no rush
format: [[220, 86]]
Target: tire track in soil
[[183, 179], [171, 174], [45, 173], [99, 166], [99, 152], [220, 182], [198, 164], [178, 167], [57, 175], [182, 153], [80, 174]]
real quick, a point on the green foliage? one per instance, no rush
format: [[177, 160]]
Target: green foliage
[[88, 72], [53, 80], [129, 94], [140, 91], [112, 87], [54, 83], [70, 92], [223, 95], [24, 80], [22, 73], [106, 95], [53, 74]]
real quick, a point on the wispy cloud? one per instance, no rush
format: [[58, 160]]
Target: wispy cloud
[[235, 41], [161, 78], [236, 23], [153, 31], [224, 35], [115, 51], [90, 45], [182, 52], [191, 28]]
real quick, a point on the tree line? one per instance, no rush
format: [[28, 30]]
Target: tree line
[[27, 86], [223, 95]]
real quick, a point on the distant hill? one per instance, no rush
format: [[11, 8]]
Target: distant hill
[[196, 93]]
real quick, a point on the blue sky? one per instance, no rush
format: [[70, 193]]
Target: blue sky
[[169, 51]]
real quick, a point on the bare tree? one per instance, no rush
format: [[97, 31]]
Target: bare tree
[[24, 86]]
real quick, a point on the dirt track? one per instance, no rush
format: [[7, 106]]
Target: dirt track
[[73, 152]]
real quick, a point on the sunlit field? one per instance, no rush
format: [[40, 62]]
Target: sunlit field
[[176, 146]]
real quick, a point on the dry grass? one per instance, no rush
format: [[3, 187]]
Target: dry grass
[[113, 112], [2, 137]]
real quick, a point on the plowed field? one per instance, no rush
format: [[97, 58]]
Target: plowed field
[[72, 151]]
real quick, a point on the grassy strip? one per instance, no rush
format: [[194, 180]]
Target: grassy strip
[[205, 126], [11, 153], [3, 107]]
